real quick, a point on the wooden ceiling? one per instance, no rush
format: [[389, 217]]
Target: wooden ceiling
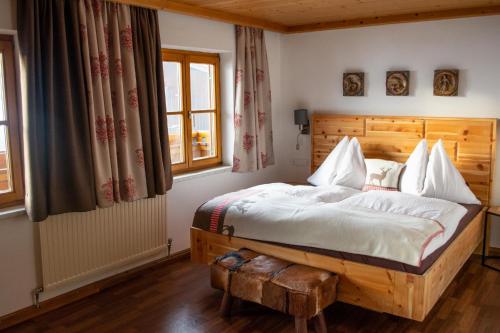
[[292, 16]]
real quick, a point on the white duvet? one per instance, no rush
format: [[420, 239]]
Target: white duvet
[[390, 225]]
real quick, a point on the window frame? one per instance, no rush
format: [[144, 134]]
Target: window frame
[[185, 58], [15, 161]]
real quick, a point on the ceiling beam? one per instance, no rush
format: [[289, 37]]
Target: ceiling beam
[[208, 13], [393, 19]]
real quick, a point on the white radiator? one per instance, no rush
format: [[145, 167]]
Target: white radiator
[[76, 246]]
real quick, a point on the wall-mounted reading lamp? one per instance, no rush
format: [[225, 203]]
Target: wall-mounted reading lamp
[[301, 119]]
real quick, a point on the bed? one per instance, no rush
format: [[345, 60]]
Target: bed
[[470, 143]]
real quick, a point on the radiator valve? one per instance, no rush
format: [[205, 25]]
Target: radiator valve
[[169, 246], [36, 296]]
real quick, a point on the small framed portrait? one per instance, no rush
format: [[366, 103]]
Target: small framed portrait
[[397, 83], [446, 82], [354, 84]]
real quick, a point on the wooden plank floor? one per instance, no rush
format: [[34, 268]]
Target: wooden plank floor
[[178, 298]]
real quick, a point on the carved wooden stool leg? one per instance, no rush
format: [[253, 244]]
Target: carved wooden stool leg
[[320, 323], [225, 307], [300, 325]]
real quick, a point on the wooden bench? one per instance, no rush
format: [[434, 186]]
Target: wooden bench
[[297, 290]]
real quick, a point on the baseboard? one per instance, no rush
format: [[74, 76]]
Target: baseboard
[[494, 251], [31, 312]]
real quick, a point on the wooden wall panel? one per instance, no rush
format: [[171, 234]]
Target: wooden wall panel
[[469, 142], [344, 126], [462, 130], [474, 151], [449, 146], [395, 128], [387, 147]]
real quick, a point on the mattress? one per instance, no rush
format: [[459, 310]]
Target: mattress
[[391, 230]]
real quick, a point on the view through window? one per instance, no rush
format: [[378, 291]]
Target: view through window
[[11, 189]]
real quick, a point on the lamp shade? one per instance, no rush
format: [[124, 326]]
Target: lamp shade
[[300, 117]]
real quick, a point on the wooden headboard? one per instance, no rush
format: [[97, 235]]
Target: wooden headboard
[[470, 142]]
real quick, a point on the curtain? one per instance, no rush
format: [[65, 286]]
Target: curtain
[[59, 171], [115, 127], [253, 143], [151, 93], [93, 136]]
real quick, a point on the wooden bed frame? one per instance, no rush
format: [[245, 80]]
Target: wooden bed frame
[[470, 143]]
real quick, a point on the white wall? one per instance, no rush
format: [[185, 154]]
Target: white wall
[[7, 14], [313, 63], [18, 273]]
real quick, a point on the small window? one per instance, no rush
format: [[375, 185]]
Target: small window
[[11, 178], [193, 109]]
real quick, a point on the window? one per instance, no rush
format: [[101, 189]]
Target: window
[[11, 178], [193, 109]]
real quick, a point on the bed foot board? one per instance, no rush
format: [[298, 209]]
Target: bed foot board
[[383, 290]]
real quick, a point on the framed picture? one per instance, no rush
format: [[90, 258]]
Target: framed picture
[[397, 83], [446, 82], [354, 84]]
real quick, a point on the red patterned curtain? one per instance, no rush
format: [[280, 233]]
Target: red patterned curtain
[[253, 143], [95, 118], [115, 126]]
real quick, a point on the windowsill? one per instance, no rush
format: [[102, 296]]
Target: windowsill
[[202, 173], [6, 213], [10, 212]]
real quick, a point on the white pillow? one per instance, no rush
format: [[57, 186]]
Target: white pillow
[[328, 169], [352, 170], [412, 180], [444, 181]]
